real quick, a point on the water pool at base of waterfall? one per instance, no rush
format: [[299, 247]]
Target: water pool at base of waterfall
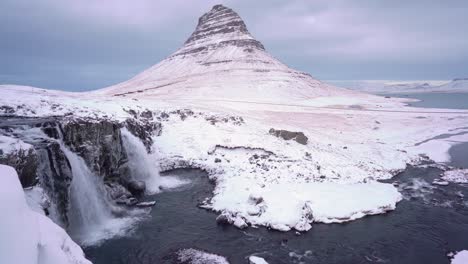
[[430, 222]]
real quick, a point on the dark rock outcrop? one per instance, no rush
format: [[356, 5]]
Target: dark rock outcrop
[[25, 162], [136, 187], [299, 137], [99, 143], [55, 176]]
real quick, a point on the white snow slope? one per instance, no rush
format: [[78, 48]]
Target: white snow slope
[[26, 236], [217, 98]]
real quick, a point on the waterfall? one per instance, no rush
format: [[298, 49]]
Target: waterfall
[[88, 208], [79, 200], [141, 164], [90, 216]]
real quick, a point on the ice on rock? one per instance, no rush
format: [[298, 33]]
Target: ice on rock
[[195, 256], [29, 237], [440, 182], [257, 260], [456, 176]]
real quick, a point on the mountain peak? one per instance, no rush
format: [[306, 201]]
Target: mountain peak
[[218, 21], [221, 59], [221, 26]]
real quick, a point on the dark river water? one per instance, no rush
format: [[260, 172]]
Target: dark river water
[[428, 224]]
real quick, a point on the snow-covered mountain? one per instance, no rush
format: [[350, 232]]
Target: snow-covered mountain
[[222, 60], [459, 85]]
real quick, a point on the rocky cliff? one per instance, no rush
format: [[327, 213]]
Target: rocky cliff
[[97, 141]]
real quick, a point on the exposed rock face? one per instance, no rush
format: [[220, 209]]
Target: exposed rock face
[[45, 161], [25, 163], [299, 137], [55, 176], [99, 143], [225, 26]]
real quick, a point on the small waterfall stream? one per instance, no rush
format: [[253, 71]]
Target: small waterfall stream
[[142, 165]]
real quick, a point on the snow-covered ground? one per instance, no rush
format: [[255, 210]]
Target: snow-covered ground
[[27, 236], [348, 149]]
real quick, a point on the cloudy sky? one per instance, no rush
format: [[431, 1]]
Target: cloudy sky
[[87, 44]]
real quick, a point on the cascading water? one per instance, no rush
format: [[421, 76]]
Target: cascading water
[[90, 216], [89, 211], [142, 165]]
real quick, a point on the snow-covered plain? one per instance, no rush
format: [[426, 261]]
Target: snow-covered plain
[[348, 149], [27, 236]]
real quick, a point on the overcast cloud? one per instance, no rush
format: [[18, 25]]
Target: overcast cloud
[[88, 44]]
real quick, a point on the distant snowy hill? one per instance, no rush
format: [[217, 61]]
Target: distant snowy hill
[[459, 85], [221, 60]]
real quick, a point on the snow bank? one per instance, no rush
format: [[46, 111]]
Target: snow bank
[[457, 176], [460, 258], [296, 206], [37, 199], [194, 256], [26, 236], [10, 145]]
